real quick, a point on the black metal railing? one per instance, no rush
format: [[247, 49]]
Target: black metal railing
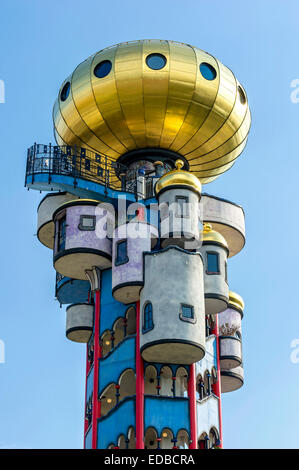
[[79, 162]]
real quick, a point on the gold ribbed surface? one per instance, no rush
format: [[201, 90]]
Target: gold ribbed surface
[[236, 300], [174, 108]]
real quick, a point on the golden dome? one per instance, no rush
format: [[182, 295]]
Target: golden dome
[[178, 177], [235, 300], [208, 235], [155, 94]]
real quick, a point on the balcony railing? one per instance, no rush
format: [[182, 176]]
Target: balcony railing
[[79, 162]]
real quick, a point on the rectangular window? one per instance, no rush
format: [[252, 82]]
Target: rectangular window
[[87, 222], [187, 313], [61, 234], [121, 253], [213, 263]]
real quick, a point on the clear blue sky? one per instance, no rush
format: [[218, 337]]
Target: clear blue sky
[[42, 380]]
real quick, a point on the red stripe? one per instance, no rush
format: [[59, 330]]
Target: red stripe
[[139, 385], [192, 406]]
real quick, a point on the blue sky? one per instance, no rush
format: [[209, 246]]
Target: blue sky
[[42, 379]]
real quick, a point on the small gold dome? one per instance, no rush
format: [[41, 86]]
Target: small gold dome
[[178, 177], [235, 300], [208, 235], [155, 94]]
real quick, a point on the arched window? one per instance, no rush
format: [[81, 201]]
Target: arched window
[[181, 382], [203, 441], [182, 439], [131, 321], [166, 439], [150, 439], [108, 399], [214, 438], [121, 442], [106, 342], [127, 383], [150, 381], [118, 328], [147, 317], [131, 438], [166, 382]]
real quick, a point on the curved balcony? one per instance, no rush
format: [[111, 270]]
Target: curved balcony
[[71, 291], [232, 379], [227, 218], [77, 169], [230, 352], [117, 421], [122, 357]]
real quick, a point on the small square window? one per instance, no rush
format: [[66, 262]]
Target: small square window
[[213, 263], [121, 253], [187, 311], [87, 222]]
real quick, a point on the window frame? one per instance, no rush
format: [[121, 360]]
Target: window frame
[[84, 228], [60, 243], [183, 317], [218, 262], [151, 322], [117, 262]]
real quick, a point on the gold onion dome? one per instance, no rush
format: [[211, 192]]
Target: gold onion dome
[[178, 177], [155, 94], [235, 300], [208, 235]]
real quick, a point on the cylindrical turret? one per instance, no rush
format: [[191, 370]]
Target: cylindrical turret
[[172, 316], [130, 241], [45, 210], [232, 379], [214, 251], [81, 238], [71, 291], [79, 322], [178, 193], [230, 333]]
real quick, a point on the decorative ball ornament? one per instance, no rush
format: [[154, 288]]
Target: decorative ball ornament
[[155, 94]]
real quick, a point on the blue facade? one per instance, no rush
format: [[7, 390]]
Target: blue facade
[[170, 412], [117, 422], [118, 360]]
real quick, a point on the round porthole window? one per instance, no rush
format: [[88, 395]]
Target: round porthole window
[[103, 69], [65, 91], [156, 61], [241, 94], [208, 72]]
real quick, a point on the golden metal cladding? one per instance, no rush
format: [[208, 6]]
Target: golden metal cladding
[[178, 177], [236, 300], [210, 235], [205, 120]]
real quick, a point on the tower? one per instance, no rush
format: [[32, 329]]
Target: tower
[[141, 253]]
